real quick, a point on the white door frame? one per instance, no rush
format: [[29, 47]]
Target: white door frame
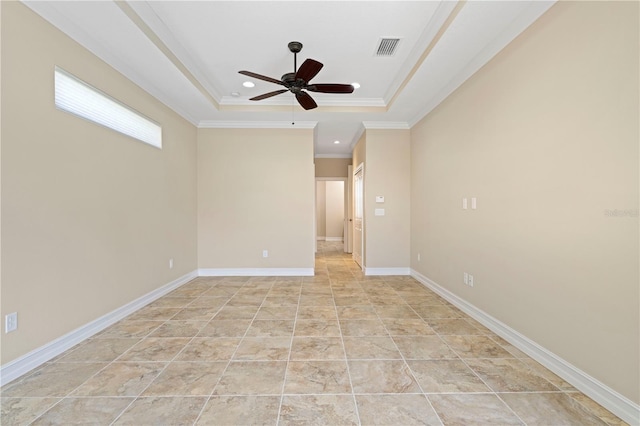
[[359, 255]]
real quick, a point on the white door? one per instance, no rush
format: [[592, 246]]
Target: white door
[[358, 214], [348, 212]]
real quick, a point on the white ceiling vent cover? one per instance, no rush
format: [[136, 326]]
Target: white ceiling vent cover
[[387, 46]]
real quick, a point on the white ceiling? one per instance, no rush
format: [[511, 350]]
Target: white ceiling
[[188, 54]]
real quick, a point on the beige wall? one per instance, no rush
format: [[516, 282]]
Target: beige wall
[[332, 167], [90, 218], [334, 209], [387, 173], [546, 137], [263, 200], [321, 209]]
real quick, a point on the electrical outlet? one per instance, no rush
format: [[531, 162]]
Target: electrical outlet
[[470, 280], [265, 253], [170, 263], [418, 257], [11, 322]]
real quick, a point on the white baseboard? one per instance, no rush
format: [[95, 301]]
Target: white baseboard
[[255, 272], [387, 271], [18, 367], [336, 239], [613, 401], [320, 238]]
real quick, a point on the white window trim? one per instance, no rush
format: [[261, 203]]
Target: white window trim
[[81, 99]]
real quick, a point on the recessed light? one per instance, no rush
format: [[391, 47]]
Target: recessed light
[[235, 94], [248, 84], [356, 85], [336, 142]]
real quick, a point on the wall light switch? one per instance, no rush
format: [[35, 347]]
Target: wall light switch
[[473, 203], [379, 212], [464, 204], [379, 198]]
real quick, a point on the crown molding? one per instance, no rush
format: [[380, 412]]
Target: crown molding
[[213, 124], [333, 156], [396, 125]]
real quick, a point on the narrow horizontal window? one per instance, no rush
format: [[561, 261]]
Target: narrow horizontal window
[[83, 100]]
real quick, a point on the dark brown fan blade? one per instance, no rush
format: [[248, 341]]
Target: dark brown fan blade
[[305, 100], [267, 95], [308, 70], [330, 88], [261, 77]]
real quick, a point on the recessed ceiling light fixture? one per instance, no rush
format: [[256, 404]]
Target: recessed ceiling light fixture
[[336, 142], [356, 85], [248, 84], [235, 94]]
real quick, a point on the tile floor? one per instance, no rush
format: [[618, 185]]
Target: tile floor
[[335, 349]]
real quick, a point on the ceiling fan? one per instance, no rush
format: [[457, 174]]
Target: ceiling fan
[[297, 82]]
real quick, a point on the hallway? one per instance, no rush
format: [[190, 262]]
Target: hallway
[[335, 349]]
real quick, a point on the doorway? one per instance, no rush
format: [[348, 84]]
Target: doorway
[[332, 211], [358, 215]]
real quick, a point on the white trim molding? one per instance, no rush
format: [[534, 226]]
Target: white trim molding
[[613, 401], [334, 239], [18, 367], [256, 272], [387, 271], [216, 124]]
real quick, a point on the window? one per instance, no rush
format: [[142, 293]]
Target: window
[[83, 100]]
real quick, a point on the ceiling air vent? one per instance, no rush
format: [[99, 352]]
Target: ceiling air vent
[[387, 46]]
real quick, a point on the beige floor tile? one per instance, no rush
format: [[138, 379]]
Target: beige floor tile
[[236, 313], [178, 410], [209, 302], [270, 328], [153, 314], [509, 375], [313, 377], [195, 314], [435, 311], [240, 410], [424, 347], [360, 312], [225, 328], [318, 410], [263, 349], [371, 347], [446, 375], [252, 378], [100, 350], [550, 376], [407, 327], [186, 378], [318, 348], [22, 411], [83, 411], [209, 349], [382, 377], [171, 302], [398, 409], [52, 380], [473, 409], [455, 326], [279, 301], [129, 329], [246, 300], [372, 327], [550, 409], [476, 347], [317, 312], [596, 409], [317, 328], [397, 311], [277, 313], [178, 329], [155, 349], [121, 379], [317, 300]]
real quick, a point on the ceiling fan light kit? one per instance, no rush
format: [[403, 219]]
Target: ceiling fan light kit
[[297, 81]]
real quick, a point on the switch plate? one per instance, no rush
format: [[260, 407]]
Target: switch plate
[[464, 204], [265, 253], [170, 263], [466, 278], [11, 322], [470, 280], [379, 212], [379, 198], [473, 203]]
